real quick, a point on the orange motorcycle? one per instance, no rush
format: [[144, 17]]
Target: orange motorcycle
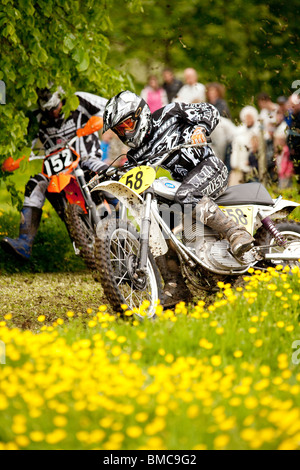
[[68, 191]]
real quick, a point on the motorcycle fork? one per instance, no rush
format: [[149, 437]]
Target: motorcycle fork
[[91, 206], [58, 202], [144, 233]]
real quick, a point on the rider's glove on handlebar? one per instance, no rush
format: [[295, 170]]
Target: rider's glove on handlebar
[[198, 136]]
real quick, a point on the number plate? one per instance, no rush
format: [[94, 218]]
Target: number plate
[[242, 215], [58, 162], [139, 179]]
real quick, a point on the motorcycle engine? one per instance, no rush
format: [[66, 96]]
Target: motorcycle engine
[[210, 249]]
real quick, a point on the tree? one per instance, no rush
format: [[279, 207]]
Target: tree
[[248, 46], [52, 41]]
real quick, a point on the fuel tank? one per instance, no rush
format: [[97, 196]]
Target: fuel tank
[[166, 188]]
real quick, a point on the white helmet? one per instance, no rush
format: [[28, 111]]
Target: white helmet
[[129, 116]]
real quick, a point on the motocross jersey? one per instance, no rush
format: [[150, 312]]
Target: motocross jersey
[[53, 132], [174, 125]]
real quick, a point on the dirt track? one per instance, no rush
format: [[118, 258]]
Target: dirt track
[[26, 296]]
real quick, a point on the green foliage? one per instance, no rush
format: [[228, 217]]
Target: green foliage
[[248, 46], [15, 195], [51, 41]]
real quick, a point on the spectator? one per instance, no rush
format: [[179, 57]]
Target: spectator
[[154, 95], [192, 91], [105, 144], [215, 93], [253, 158], [241, 145], [283, 104], [171, 84], [294, 132], [284, 164], [280, 121], [267, 111], [112, 148], [221, 138]]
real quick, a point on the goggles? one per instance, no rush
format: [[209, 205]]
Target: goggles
[[125, 127], [52, 104]]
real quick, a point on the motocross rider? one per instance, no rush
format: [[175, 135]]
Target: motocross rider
[[204, 177], [54, 129]]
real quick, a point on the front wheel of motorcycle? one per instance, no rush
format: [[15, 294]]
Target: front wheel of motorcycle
[[116, 257], [81, 232], [290, 231]]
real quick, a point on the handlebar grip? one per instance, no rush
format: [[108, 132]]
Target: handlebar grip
[[11, 165], [111, 171]]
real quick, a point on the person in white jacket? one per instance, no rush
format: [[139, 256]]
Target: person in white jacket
[[222, 136], [241, 145], [192, 91]]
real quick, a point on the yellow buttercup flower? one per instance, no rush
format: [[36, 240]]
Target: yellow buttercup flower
[[252, 330], [221, 441], [134, 431], [216, 360], [238, 353]]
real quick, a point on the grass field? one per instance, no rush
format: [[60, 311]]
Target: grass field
[[222, 376], [219, 374]]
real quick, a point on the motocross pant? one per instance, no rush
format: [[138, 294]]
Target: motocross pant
[[201, 186], [35, 191], [209, 178]]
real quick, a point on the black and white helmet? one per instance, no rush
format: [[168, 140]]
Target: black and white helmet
[[48, 100], [129, 116]]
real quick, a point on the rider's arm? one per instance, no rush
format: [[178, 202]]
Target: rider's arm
[[91, 105], [202, 115]]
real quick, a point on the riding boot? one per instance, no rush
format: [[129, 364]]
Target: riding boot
[[175, 289], [22, 246], [211, 215]]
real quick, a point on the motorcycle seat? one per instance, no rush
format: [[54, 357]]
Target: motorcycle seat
[[248, 193]]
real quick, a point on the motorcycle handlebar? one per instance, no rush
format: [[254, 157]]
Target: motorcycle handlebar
[[42, 157]]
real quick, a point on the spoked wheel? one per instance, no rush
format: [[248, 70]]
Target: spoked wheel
[[82, 233], [290, 230], [116, 256]]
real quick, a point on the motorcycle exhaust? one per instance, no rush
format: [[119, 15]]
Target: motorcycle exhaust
[[283, 257]]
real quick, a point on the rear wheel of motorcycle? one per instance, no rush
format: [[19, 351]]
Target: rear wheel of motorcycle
[[82, 233], [290, 230], [116, 250]]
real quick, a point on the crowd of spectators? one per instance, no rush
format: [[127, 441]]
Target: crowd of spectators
[[264, 141]]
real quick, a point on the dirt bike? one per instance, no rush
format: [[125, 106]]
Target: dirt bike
[[126, 248], [69, 194]]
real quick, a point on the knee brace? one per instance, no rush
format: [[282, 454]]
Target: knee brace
[[35, 191]]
